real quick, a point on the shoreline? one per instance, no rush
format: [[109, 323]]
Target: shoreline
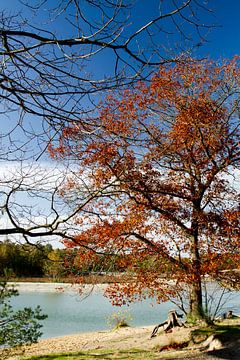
[[54, 287], [126, 338], [122, 339], [132, 338]]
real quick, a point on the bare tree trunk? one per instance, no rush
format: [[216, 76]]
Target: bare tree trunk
[[195, 295], [195, 301]]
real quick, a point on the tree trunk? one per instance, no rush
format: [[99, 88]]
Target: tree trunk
[[195, 295], [195, 301]]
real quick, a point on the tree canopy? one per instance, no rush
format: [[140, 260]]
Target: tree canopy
[[162, 168], [57, 60]]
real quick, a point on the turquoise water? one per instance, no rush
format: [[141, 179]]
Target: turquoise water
[[68, 314]]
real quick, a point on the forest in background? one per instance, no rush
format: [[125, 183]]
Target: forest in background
[[43, 261]]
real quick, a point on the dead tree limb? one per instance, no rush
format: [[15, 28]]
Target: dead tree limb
[[171, 322]]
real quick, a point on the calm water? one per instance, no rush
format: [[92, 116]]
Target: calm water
[[68, 314]]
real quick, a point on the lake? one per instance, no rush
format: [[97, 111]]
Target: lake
[[69, 314]]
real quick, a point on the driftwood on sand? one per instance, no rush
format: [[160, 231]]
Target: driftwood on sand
[[171, 322]]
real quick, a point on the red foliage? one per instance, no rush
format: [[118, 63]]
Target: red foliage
[[159, 161]]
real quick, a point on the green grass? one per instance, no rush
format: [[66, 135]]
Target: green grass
[[218, 329], [101, 354], [227, 332]]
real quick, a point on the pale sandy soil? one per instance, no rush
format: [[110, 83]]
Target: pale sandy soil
[[135, 338], [121, 339]]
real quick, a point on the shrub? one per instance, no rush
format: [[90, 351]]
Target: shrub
[[119, 319], [17, 327]]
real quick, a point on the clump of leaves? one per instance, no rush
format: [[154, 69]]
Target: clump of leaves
[[17, 327], [175, 346], [119, 319]]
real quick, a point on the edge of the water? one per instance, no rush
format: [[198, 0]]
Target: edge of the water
[[56, 287]]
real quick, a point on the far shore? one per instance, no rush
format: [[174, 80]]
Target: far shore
[[54, 287]]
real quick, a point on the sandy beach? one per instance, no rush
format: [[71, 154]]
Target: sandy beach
[[134, 338], [121, 339]]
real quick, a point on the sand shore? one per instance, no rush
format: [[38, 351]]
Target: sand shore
[[55, 287], [129, 338], [122, 339]]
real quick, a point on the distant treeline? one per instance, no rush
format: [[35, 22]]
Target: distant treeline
[[24, 260]]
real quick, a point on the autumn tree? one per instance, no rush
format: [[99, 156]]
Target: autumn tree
[[163, 167], [56, 61]]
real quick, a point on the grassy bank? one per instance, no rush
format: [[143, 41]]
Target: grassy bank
[[101, 354]]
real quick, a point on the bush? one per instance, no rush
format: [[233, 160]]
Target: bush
[[17, 327], [119, 319]]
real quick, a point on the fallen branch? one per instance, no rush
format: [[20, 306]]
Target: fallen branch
[[171, 322]]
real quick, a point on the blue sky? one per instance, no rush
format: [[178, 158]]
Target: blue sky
[[224, 40]]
